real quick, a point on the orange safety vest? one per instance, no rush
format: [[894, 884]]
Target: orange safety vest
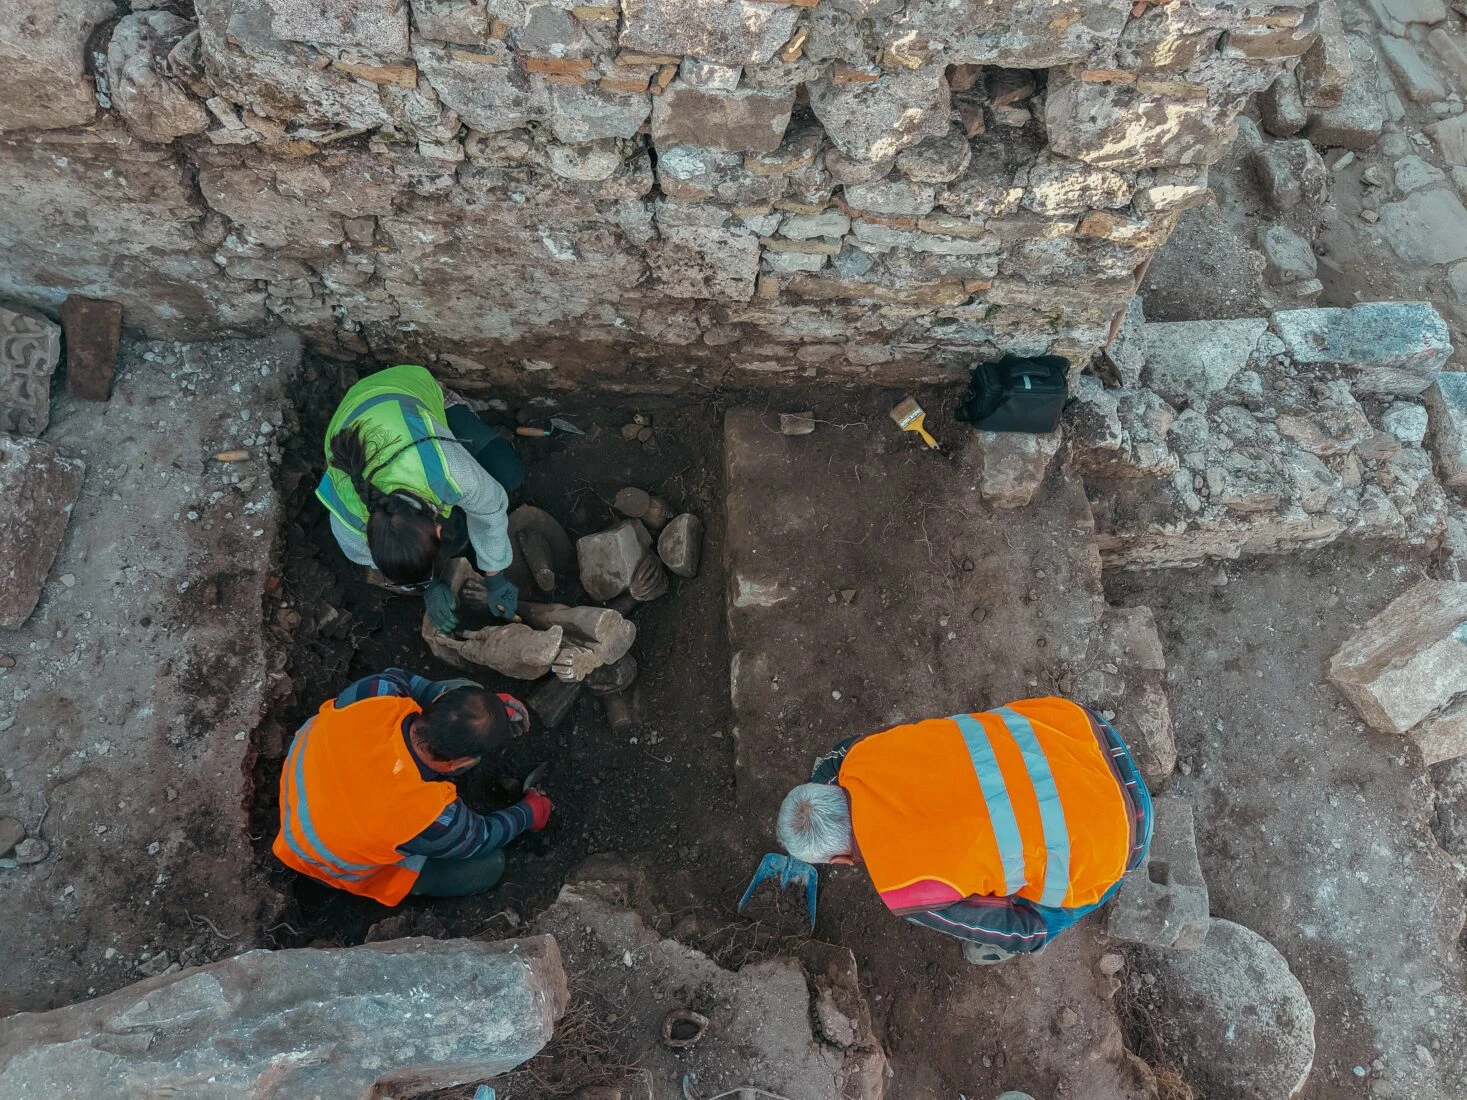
[[1019, 801], [350, 793]]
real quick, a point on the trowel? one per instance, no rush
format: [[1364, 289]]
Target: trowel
[[790, 872], [535, 778], [557, 424]]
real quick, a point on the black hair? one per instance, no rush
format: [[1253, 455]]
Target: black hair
[[402, 533], [466, 721]]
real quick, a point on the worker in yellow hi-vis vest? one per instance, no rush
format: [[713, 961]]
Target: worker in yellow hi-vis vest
[[401, 455]]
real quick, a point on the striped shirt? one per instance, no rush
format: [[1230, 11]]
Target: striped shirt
[[458, 832]]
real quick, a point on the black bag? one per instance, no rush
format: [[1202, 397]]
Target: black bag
[[1017, 394]]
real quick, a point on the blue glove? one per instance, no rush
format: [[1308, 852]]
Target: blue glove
[[501, 597], [442, 606]]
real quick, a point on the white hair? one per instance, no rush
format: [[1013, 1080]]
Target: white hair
[[815, 823]]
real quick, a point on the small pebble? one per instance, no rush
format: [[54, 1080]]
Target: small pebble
[[1369, 216]]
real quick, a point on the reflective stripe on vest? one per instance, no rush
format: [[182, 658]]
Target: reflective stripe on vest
[[297, 828], [1051, 812], [411, 442], [996, 794]]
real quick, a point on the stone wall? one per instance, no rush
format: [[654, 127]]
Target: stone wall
[[635, 190]]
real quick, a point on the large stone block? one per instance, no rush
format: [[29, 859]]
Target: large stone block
[[1290, 172], [695, 261], [38, 486], [1164, 902], [1055, 186], [1015, 464], [875, 121], [93, 335], [300, 1023], [43, 77], [1142, 125], [1356, 119], [30, 347], [1327, 66], [154, 106], [1447, 401], [745, 120], [608, 559], [1390, 347], [1408, 661], [1243, 1024], [584, 112], [1188, 362], [486, 85], [377, 27], [1021, 36], [727, 32]]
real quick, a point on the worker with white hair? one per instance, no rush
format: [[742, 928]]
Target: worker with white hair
[[1001, 828]]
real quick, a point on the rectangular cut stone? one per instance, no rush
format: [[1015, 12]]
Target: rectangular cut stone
[[1357, 120], [1391, 347], [1408, 661], [30, 347], [892, 197], [38, 486], [340, 1013], [1165, 902], [1327, 66], [728, 32], [379, 27], [801, 227], [1418, 80], [93, 332], [1450, 135], [1446, 401], [465, 22], [745, 120]]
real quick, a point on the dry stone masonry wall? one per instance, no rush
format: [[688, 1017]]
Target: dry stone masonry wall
[[636, 189]]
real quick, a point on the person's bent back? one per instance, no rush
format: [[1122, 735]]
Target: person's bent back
[[1001, 828]]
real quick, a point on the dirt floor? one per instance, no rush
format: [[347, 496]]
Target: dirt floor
[[1313, 829]]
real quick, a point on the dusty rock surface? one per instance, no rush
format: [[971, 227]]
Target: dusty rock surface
[[127, 699], [384, 1019]]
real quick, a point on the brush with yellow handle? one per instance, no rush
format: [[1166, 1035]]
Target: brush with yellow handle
[[910, 418]]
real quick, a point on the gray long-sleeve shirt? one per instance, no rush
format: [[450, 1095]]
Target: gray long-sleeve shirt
[[485, 506]]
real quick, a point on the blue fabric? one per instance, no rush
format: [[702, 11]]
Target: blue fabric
[[487, 447], [996, 794], [1051, 811], [459, 878]]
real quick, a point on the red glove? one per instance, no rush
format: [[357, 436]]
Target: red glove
[[519, 715], [540, 807]]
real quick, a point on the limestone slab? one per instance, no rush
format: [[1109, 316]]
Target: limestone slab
[[300, 1023], [38, 487], [1163, 903], [1427, 227], [30, 347], [378, 27], [1417, 79], [1187, 362], [1409, 660], [1390, 347], [1450, 136]]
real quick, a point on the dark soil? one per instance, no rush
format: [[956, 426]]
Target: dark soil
[[644, 794]]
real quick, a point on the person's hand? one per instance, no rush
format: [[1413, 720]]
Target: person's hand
[[540, 808], [442, 606], [501, 597], [519, 715]]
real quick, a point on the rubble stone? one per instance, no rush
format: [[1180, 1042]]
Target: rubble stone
[[608, 559], [494, 1006], [1244, 1025], [30, 347], [1290, 172], [1405, 421], [93, 334], [704, 262], [38, 487], [739, 33], [745, 120], [1447, 401], [12, 832], [1327, 66], [1409, 660], [155, 107], [875, 121], [1443, 736], [1187, 362], [1164, 903], [1055, 186], [1389, 347], [1287, 257], [43, 77], [681, 545], [1015, 464], [891, 197], [1282, 107], [937, 159]]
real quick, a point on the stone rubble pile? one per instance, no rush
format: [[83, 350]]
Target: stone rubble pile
[[775, 187], [1264, 435]]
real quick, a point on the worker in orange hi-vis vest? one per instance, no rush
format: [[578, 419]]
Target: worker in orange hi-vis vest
[[367, 801], [1001, 828]]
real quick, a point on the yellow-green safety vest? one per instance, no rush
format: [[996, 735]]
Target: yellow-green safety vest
[[400, 413]]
